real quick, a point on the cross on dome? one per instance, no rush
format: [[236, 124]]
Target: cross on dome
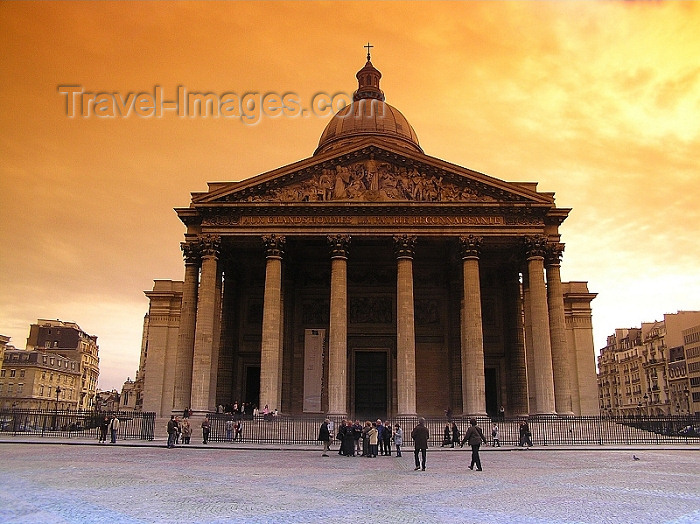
[[368, 81]]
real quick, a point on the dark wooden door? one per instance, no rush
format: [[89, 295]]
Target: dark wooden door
[[370, 385]]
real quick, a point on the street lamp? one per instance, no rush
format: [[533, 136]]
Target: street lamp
[[687, 398], [55, 422]]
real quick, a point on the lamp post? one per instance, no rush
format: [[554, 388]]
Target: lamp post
[[687, 399], [646, 404], [58, 390]]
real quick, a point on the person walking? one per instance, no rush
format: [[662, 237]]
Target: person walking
[[206, 428], [456, 434], [474, 437], [420, 436], [113, 428], [495, 436], [324, 435], [525, 435], [398, 438]]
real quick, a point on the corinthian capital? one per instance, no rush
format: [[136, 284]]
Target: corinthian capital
[[210, 245], [470, 246], [404, 246], [191, 252], [535, 246], [339, 245], [554, 252], [274, 245]]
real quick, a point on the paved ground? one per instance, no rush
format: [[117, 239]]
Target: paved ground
[[72, 482]]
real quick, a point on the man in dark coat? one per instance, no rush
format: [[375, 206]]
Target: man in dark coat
[[474, 436], [324, 435], [420, 436], [348, 440]]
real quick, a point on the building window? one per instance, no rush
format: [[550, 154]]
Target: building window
[[52, 361], [2, 373], [20, 388], [13, 372], [21, 373], [41, 390], [47, 344]]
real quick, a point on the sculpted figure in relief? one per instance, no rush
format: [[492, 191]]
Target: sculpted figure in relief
[[372, 180]]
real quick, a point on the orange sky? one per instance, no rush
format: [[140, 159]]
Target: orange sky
[[597, 101]]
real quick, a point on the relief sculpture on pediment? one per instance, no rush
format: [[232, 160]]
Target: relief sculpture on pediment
[[374, 181]]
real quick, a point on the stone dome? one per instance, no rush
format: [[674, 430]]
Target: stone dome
[[368, 115]]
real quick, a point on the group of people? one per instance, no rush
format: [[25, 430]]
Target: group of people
[[452, 435], [370, 439], [109, 425], [374, 438], [179, 429]]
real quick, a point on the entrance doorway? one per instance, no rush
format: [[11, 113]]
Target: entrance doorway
[[370, 385], [252, 385], [491, 392]]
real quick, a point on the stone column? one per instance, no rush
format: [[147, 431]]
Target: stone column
[[516, 368], [338, 328], [185, 337], [557, 331], [529, 359], [271, 345], [206, 320], [541, 343], [404, 246], [216, 345], [473, 383]]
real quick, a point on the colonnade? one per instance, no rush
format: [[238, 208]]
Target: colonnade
[[544, 329]]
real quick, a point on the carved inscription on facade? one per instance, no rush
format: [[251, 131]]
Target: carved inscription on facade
[[372, 220]]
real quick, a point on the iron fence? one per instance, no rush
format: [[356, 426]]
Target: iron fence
[[133, 425], [545, 430]]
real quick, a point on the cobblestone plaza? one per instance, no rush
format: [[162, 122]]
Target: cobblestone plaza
[[48, 482]]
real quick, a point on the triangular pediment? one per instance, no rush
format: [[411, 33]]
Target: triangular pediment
[[370, 172]]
